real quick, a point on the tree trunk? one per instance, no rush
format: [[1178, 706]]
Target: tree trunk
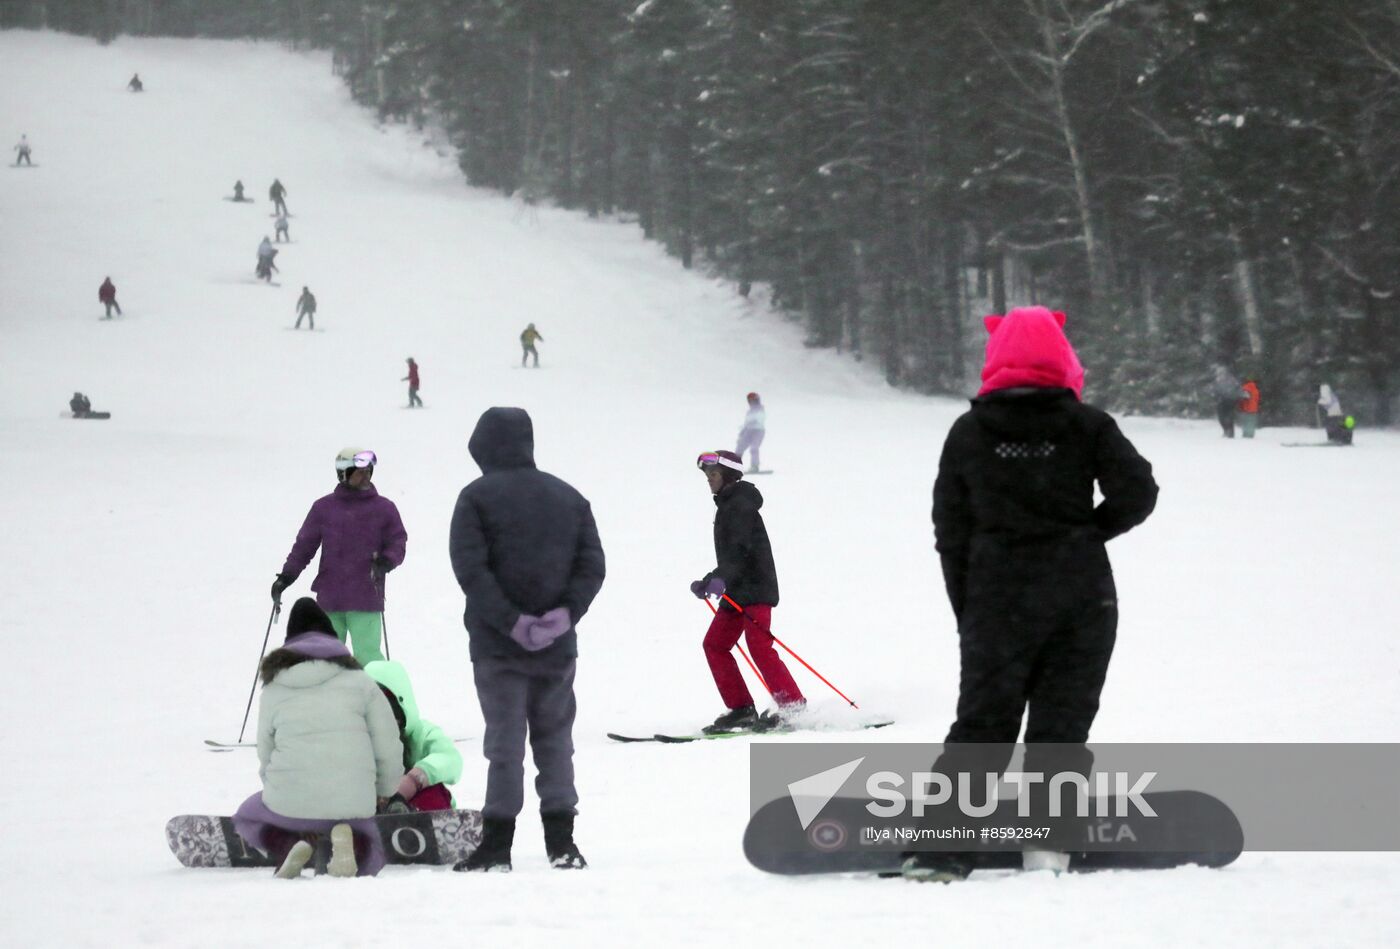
[[1244, 285]]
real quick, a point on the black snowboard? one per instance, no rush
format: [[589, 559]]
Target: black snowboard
[[430, 837], [1191, 828], [96, 415]]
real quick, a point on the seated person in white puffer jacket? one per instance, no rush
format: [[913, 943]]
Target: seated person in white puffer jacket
[[328, 753]]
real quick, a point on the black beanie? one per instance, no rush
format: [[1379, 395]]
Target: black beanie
[[308, 617]]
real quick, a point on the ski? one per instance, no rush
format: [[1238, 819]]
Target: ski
[[759, 732]]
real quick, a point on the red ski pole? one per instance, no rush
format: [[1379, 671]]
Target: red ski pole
[[805, 664], [740, 647]]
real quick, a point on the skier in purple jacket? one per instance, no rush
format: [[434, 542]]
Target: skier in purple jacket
[[361, 538]]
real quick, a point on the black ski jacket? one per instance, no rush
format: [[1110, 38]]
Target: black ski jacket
[[1013, 506], [741, 547], [522, 541]]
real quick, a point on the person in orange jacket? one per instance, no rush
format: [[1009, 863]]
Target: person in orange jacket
[[1248, 408]]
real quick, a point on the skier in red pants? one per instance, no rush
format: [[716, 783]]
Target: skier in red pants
[[745, 572]]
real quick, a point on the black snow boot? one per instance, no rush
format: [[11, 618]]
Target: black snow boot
[[497, 835], [736, 718], [559, 842]]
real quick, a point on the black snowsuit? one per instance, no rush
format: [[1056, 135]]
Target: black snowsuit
[[742, 551], [1022, 548]]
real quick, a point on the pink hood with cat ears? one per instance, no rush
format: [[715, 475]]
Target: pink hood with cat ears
[[1028, 347]]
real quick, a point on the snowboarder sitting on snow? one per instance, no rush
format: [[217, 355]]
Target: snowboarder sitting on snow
[[328, 752], [280, 229], [751, 434], [306, 306], [23, 152], [527, 345], [107, 295], [1335, 422], [278, 194], [238, 191], [1024, 563], [361, 538], [431, 761], [80, 405], [135, 84], [412, 380], [526, 553], [745, 574]]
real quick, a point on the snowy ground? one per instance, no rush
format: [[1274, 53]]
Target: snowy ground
[[1258, 604]]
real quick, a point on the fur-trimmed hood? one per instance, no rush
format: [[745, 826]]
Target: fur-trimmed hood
[[289, 657]]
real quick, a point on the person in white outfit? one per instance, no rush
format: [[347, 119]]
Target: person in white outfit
[[751, 435], [1334, 420]]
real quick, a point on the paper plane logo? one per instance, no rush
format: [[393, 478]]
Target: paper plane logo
[[813, 793]]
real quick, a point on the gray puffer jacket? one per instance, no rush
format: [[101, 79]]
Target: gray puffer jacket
[[328, 744]]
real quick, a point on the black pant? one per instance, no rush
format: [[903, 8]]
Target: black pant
[[111, 305], [1225, 412], [310, 319], [527, 353], [413, 397]]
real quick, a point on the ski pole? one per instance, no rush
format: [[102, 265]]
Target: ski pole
[[805, 664], [383, 615], [276, 608], [740, 647]]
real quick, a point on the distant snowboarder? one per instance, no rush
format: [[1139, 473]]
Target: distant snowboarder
[[278, 194], [527, 345], [1228, 391], [306, 306], [1247, 409], [281, 234], [82, 408], [412, 380], [107, 295], [751, 434], [238, 193], [135, 84], [22, 158]]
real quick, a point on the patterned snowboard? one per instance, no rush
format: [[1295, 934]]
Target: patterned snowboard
[[430, 837]]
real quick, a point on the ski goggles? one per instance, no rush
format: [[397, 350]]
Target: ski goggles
[[709, 459], [361, 459]]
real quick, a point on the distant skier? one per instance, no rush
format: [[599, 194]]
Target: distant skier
[[745, 574], [266, 254], [1228, 393], [361, 538], [1022, 548], [412, 380], [281, 232], [238, 192], [107, 295], [306, 306], [278, 194], [751, 434], [1247, 409], [526, 554], [22, 158], [135, 84], [1334, 420], [527, 345]]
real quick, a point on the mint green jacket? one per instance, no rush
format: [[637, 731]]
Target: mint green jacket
[[426, 746]]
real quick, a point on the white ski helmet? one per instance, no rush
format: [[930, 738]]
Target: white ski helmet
[[351, 458]]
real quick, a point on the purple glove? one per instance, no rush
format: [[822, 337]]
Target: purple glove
[[708, 588], [549, 627], [520, 632]]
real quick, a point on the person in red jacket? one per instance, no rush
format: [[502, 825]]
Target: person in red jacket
[[412, 380], [107, 294], [1248, 408]]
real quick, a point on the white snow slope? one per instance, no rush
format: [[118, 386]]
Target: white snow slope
[[1258, 603]]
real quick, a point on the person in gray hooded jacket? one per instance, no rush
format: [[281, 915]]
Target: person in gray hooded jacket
[[328, 752], [526, 553]]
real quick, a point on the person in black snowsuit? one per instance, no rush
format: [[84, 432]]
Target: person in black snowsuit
[[135, 85], [526, 553], [278, 194], [80, 405], [745, 573], [1021, 544]]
